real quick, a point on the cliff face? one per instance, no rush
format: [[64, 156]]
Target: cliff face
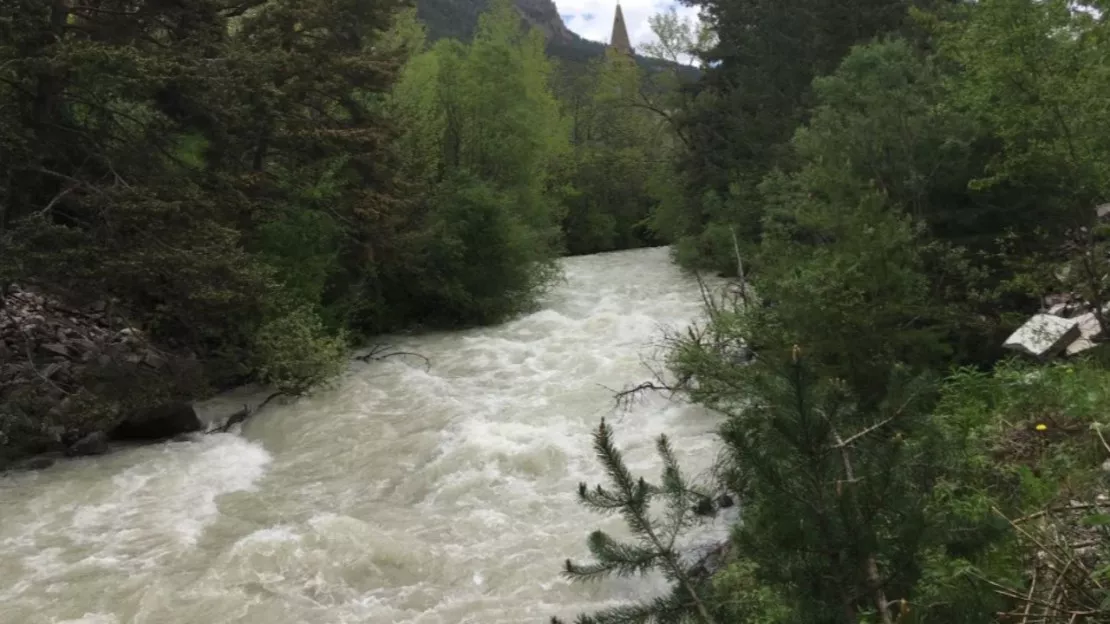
[[543, 15], [459, 18]]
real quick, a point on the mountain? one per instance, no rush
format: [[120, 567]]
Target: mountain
[[459, 19]]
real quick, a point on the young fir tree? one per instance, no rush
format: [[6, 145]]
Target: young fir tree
[[655, 544]]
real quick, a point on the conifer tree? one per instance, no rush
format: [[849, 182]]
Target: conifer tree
[[655, 544]]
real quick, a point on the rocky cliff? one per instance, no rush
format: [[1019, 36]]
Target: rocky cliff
[[459, 19], [543, 15]]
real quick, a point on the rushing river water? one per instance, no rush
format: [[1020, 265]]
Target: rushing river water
[[434, 496]]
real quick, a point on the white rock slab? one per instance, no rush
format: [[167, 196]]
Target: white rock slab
[[1044, 336]]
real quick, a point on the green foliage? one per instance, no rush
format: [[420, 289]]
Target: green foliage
[[252, 184], [295, 353], [738, 595], [896, 205], [625, 143], [1032, 74], [655, 546], [483, 133], [1033, 71], [484, 262], [756, 90]]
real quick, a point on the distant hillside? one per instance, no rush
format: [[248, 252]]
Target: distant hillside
[[459, 19]]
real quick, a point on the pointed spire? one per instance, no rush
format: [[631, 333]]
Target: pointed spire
[[619, 40]]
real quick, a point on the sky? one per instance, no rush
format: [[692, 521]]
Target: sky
[[593, 19]]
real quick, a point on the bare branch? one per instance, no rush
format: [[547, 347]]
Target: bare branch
[[376, 354]]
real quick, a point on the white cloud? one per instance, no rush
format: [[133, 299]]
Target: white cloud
[[593, 19]]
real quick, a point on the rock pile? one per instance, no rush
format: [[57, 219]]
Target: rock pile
[[1066, 326], [43, 341], [70, 377]]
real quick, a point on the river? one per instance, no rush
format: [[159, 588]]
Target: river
[[402, 494]]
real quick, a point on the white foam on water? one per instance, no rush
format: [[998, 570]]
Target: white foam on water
[[403, 494], [92, 618]]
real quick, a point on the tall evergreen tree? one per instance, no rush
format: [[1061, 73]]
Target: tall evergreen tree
[[755, 89]]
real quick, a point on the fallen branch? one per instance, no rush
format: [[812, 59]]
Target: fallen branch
[[376, 355], [625, 397], [245, 413]]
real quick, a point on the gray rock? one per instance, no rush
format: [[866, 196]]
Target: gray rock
[[1043, 336], [222, 411], [56, 349], [36, 463], [96, 443], [159, 423], [84, 345], [1090, 332]]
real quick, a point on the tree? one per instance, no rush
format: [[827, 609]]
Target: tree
[[678, 40], [621, 146], [1031, 74], [483, 133], [754, 91], [655, 547]]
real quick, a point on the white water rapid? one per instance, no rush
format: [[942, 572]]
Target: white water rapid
[[401, 495]]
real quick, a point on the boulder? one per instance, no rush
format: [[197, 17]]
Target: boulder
[[33, 464], [96, 443], [221, 412], [1090, 332], [1044, 336], [159, 423]]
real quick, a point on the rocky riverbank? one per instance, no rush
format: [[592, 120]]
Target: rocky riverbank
[[76, 378]]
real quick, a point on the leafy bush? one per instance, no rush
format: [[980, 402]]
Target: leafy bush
[[294, 352]]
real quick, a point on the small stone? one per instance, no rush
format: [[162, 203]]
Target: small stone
[[37, 463], [83, 344], [154, 360], [724, 501], [56, 349], [96, 443], [704, 507]]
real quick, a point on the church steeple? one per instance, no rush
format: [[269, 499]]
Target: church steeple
[[619, 40]]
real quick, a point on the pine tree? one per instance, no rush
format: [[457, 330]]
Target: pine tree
[[654, 547]]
